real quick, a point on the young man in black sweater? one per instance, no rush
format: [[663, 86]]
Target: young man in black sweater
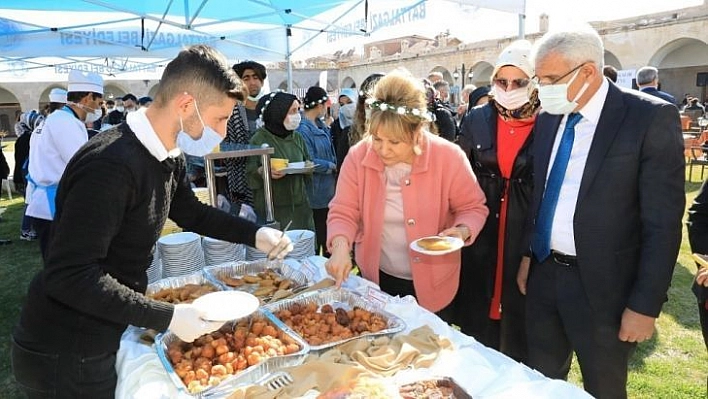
[[111, 205]]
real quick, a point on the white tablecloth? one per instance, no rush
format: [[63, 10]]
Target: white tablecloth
[[482, 372]]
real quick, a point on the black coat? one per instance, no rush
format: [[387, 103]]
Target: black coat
[[22, 149], [478, 138], [698, 233]]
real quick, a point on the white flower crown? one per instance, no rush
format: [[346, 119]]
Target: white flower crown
[[311, 104], [399, 109]]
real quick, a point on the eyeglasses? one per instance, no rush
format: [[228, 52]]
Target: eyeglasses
[[537, 81], [515, 83]]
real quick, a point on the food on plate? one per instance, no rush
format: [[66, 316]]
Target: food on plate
[[213, 357], [184, 294], [430, 389], [434, 244], [263, 284], [329, 324]]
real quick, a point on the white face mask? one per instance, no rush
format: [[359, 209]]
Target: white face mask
[[120, 108], [554, 98], [292, 121], [92, 117], [257, 96], [511, 99], [202, 146]]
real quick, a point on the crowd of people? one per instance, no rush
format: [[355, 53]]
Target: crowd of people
[[566, 191]]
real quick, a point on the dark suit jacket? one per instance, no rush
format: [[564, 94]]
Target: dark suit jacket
[[698, 232], [658, 93], [627, 219]]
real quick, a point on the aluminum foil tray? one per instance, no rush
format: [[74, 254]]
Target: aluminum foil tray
[[457, 391], [179, 281], [246, 377], [240, 269], [337, 297]]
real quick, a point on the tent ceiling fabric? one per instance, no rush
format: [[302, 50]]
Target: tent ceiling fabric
[[113, 34]]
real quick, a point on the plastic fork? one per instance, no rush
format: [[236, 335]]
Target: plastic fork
[[277, 380]]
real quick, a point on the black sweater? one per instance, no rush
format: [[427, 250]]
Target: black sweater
[[112, 203]]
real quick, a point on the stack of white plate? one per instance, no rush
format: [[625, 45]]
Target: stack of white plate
[[154, 272], [303, 243], [181, 253], [218, 251], [254, 254]]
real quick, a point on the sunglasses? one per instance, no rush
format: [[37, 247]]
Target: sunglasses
[[515, 83]]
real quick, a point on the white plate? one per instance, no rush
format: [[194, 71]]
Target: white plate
[[455, 244], [226, 305], [298, 167]]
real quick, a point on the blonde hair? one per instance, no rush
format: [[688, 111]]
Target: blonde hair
[[405, 107]]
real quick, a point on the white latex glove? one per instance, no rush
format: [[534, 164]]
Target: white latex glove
[[188, 325], [273, 242]]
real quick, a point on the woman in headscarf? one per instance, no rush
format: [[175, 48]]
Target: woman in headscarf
[[280, 115], [497, 139]]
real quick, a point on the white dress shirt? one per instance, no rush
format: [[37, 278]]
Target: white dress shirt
[[562, 234], [140, 125]]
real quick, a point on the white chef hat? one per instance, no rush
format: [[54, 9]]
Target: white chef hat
[[517, 54], [85, 81], [57, 95]]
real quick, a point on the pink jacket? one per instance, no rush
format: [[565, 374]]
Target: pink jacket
[[442, 192]]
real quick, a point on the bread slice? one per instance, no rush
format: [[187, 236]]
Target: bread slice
[[434, 244]]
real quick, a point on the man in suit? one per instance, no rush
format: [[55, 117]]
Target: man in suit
[[648, 82], [605, 221]]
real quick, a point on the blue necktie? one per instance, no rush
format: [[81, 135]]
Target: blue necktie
[[544, 220]]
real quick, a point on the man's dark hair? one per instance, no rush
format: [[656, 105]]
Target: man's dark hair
[[130, 96], [76, 96], [610, 72], [259, 69], [110, 103], [202, 72]]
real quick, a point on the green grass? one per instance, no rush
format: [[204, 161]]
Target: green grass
[[673, 364]]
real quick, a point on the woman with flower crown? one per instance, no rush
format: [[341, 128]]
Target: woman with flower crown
[[497, 138], [399, 184], [279, 116]]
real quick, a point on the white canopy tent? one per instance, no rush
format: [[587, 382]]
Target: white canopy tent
[[142, 35]]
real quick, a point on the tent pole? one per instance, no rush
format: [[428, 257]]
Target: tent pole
[[522, 23], [288, 55]]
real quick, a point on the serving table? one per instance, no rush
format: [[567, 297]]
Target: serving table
[[481, 371]]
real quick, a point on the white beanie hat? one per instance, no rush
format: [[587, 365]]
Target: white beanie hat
[[57, 95], [517, 54], [85, 81]]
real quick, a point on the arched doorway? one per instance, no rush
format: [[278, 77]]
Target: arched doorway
[[9, 112]]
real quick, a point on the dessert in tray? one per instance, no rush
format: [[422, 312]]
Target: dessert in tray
[[269, 281], [227, 353]]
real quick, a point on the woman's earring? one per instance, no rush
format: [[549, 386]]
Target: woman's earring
[[417, 150]]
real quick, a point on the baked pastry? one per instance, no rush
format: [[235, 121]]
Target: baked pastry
[[434, 244]]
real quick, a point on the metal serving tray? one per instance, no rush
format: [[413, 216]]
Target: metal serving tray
[[240, 269], [347, 300], [246, 377], [179, 281], [457, 391]]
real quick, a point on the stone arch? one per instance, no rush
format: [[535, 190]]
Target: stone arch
[[681, 52], [111, 91], [348, 82], [611, 59], [482, 73], [9, 107], [679, 61], [447, 76]]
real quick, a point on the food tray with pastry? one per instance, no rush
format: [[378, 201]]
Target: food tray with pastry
[[267, 280], [239, 353], [329, 317], [439, 388], [181, 289]]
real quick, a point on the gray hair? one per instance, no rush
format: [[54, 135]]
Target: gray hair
[[577, 46], [646, 75], [441, 84]]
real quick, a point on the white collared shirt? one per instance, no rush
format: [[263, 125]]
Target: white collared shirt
[[562, 234], [140, 125]]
